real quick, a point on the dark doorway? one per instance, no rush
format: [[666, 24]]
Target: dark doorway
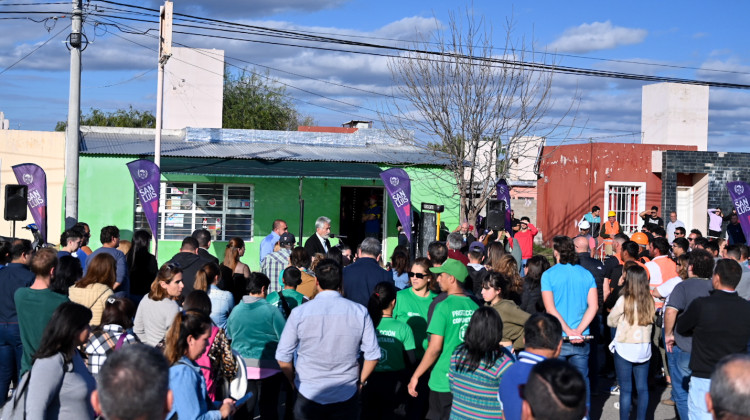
[[355, 202]]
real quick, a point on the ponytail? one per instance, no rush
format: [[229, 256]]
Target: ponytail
[[205, 276], [383, 294], [185, 324]]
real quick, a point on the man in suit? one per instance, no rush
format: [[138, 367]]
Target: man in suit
[[203, 236], [318, 243], [361, 276]]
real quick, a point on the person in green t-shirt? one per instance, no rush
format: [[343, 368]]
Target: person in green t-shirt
[[35, 304], [384, 390], [413, 303], [447, 327], [292, 278]]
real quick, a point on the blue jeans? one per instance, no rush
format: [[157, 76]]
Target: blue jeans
[[697, 409], [679, 370], [11, 351], [578, 356], [625, 372]]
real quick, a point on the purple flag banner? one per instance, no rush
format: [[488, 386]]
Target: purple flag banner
[[398, 185], [35, 179], [740, 193], [146, 176], [503, 194]]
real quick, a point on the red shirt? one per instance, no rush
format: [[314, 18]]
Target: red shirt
[[457, 255], [526, 241]]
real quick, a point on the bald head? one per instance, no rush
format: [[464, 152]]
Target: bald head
[[581, 243], [729, 395]]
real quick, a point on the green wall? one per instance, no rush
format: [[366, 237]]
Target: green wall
[[107, 197]]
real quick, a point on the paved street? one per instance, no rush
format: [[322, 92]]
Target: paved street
[[603, 406]]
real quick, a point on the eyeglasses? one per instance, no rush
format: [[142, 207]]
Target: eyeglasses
[[173, 265], [417, 275]]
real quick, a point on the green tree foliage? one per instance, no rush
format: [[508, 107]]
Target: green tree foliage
[[121, 118], [250, 102]]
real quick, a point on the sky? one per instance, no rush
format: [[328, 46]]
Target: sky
[[686, 39]]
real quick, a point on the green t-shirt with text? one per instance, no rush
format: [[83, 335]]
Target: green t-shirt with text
[[449, 320], [413, 309], [394, 338]]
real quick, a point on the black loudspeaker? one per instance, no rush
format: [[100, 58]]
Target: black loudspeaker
[[496, 215], [15, 202]]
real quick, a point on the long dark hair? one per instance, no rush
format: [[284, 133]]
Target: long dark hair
[[206, 276], [68, 320], [382, 295], [141, 243], [68, 272], [481, 341], [537, 265], [497, 281], [400, 262], [190, 323]]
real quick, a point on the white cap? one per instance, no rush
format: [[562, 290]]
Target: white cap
[[584, 225]]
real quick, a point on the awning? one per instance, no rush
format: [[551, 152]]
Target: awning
[[269, 168]]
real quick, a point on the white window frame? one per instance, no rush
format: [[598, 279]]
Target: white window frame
[[627, 228], [195, 213]]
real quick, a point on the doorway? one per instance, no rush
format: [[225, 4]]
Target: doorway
[[355, 202]]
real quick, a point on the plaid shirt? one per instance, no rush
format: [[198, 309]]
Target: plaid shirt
[[102, 343], [273, 265]]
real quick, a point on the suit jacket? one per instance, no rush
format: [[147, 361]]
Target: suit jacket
[[207, 255], [313, 246]]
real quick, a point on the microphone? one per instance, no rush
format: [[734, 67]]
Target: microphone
[[331, 235]]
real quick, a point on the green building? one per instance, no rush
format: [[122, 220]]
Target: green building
[[236, 182]]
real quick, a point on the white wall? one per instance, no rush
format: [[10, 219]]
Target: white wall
[[675, 114], [193, 88]]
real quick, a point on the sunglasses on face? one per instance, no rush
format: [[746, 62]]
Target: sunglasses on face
[[417, 275]]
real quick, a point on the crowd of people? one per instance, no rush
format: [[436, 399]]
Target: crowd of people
[[480, 328]]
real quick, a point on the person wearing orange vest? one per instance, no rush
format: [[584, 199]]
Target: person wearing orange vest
[[661, 268], [608, 231]]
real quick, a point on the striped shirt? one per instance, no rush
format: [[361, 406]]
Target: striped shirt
[[475, 393]]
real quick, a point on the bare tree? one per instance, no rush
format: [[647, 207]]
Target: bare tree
[[476, 104]]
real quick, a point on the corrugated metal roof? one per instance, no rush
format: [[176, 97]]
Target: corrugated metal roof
[[364, 146]]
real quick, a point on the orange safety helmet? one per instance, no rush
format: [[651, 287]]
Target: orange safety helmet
[[640, 238]]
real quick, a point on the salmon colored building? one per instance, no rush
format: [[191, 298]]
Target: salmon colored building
[[625, 178]]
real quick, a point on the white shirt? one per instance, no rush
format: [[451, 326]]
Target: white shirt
[[671, 226]]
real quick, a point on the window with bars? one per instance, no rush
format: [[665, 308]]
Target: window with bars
[[627, 200], [226, 210]]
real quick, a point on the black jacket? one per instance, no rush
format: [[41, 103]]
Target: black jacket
[[718, 324], [190, 264]]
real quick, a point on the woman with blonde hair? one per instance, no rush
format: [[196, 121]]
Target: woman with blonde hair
[[633, 316], [234, 273], [222, 302], [157, 310], [96, 286]]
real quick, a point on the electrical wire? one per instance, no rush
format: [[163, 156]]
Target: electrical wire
[[34, 50]]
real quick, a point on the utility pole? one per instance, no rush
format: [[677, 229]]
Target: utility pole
[[165, 51], [74, 117]]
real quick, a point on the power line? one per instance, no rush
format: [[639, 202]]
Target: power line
[[34, 50], [424, 53]]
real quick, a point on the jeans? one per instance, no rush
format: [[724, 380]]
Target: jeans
[[625, 372], [11, 351], [697, 409], [265, 395], [578, 356], [679, 370], [305, 409]]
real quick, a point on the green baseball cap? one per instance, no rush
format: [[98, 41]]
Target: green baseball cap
[[453, 267]]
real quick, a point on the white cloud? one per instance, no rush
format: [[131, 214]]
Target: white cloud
[[596, 36]]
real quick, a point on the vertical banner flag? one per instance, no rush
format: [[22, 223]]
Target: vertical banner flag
[[740, 193], [503, 194], [146, 176], [35, 179], [398, 185]]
